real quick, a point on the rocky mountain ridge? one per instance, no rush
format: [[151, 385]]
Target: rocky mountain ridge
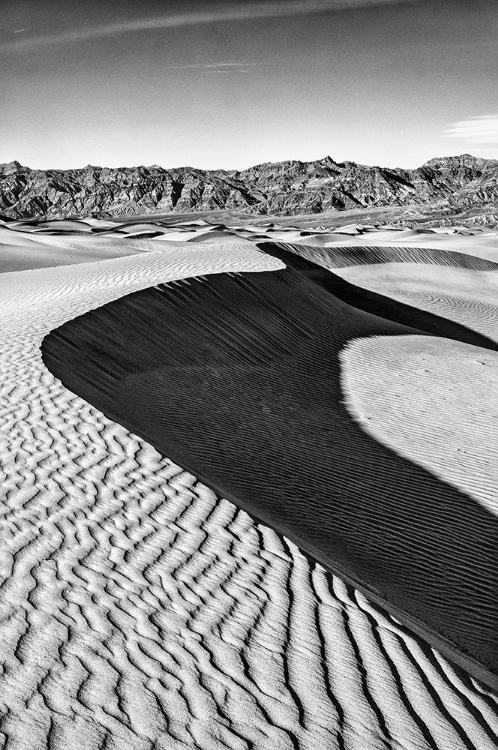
[[448, 185]]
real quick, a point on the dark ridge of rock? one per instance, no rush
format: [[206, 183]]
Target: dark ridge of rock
[[447, 185]]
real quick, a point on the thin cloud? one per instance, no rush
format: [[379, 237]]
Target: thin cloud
[[481, 130], [225, 66], [226, 12]]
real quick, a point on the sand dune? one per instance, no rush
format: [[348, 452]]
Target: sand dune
[[31, 255], [340, 257], [483, 244], [170, 363], [141, 610]]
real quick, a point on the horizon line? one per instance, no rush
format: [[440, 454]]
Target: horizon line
[[245, 169]]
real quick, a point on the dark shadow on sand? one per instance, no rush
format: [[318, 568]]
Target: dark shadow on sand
[[351, 255], [374, 303], [237, 378]]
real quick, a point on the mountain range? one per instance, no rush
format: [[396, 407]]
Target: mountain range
[[465, 186]]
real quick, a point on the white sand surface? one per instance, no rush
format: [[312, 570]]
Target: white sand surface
[[138, 610], [432, 400]]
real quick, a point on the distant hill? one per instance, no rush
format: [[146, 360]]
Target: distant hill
[[446, 186]]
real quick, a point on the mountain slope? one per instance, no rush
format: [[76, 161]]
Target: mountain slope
[[448, 185]]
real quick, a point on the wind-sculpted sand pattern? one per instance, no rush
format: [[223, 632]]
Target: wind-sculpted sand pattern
[[341, 257], [466, 297], [438, 408], [224, 388], [453, 286], [140, 610], [21, 251]]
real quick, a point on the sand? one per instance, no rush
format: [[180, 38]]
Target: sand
[[141, 610], [248, 397]]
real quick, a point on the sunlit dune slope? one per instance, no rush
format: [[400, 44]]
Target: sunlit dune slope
[[140, 610], [239, 380]]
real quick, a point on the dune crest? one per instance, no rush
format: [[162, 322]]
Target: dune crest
[[140, 610]]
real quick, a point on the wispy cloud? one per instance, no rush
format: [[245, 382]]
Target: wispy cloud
[[224, 67], [479, 131], [233, 11]]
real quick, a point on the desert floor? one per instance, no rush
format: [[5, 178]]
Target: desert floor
[[139, 609]]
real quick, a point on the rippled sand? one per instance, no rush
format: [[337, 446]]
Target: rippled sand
[[140, 610]]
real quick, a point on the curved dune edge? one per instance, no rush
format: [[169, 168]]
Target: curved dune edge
[[285, 654], [177, 337], [343, 256]]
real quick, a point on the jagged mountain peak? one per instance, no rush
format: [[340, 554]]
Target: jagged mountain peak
[[10, 167], [272, 188], [462, 160]]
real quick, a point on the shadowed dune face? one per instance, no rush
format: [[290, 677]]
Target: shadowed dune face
[[342, 257], [238, 378], [141, 610], [377, 304]]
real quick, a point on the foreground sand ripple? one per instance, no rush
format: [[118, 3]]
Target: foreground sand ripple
[[248, 397], [138, 610]]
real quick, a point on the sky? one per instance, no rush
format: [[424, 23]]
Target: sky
[[233, 83]]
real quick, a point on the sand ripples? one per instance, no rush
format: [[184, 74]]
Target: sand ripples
[[140, 610], [249, 399]]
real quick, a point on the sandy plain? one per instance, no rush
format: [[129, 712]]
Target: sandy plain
[[141, 610]]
